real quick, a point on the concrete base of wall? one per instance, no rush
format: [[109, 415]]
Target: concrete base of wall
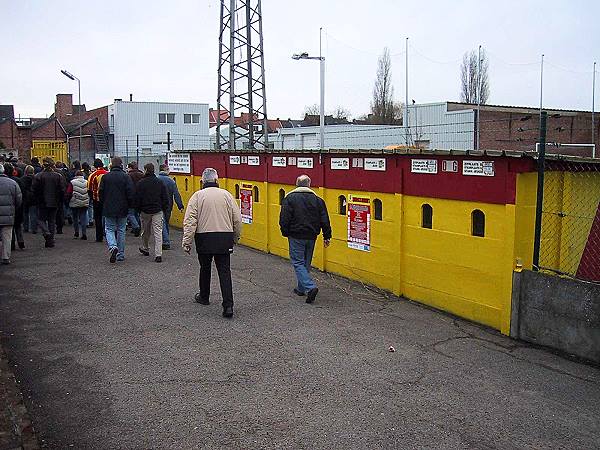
[[557, 312]]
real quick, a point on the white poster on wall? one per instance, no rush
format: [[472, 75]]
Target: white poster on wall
[[305, 163], [375, 164], [179, 162], [423, 166], [235, 160], [279, 161], [479, 168], [254, 160], [340, 163]]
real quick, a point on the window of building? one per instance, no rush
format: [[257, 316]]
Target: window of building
[[191, 118], [342, 205], [281, 196], [255, 194], [112, 120], [377, 209], [166, 118], [427, 216], [237, 191], [478, 223]]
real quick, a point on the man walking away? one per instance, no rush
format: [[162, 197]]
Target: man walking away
[[10, 171], [213, 220], [78, 202], [29, 206], [93, 185], [152, 202], [303, 216], [48, 190], [172, 193], [10, 201], [116, 196], [133, 217]]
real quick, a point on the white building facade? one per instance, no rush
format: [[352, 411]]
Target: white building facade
[[140, 128]]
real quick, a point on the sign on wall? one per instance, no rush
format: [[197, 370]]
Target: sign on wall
[[478, 168], [357, 162], [305, 163], [359, 223], [279, 161], [340, 163], [449, 166], [423, 166], [179, 162], [235, 160], [375, 164], [254, 160], [292, 161], [246, 202]]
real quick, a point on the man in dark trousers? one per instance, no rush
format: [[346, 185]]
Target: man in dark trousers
[[303, 216], [213, 221], [152, 203], [48, 188], [116, 195], [93, 186], [134, 217]]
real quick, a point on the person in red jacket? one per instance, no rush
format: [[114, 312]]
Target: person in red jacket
[[93, 190]]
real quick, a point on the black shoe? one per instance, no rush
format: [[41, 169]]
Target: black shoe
[[137, 232], [113, 254], [48, 240], [99, 240], [166, 246], [144, 252], [70, 221], [200, 300], [59, 232], [311, 295], [228, 312], [6, 262], [76, 234], [298, 293], [84, 238], [21, 245], [158, 259]]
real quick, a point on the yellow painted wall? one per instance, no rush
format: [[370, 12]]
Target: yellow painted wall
[[55, 149]]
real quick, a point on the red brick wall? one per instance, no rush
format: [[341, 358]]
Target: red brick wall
[[9, 135], [63, 108]]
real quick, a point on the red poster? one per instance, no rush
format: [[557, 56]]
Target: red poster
[[246, 203], [359, 223]]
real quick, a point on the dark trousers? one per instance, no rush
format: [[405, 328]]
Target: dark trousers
[[47, 220], [98, 221], [60, 218], [224, 271]]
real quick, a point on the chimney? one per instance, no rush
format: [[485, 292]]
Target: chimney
[[63, 108]]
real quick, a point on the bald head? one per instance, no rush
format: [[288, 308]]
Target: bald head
[[303, 181]]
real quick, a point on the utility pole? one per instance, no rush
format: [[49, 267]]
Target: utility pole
[[137, 149], [478, 92], [322, 93], [406, 130], [541, 87], [540, 192], [593, 109], [168, 142]]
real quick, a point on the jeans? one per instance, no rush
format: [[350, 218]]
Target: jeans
[[301, 253], [33, 219], [134, 218], [90, 213], [47, 221], [165, 231], [80, 220], [114, 228]]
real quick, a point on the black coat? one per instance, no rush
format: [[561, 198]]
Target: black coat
[[26, 190], [116, 193], [151, 195], [48, 189], [303, 215]]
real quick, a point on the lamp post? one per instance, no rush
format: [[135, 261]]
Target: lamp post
[[321, 59], [73, 77]]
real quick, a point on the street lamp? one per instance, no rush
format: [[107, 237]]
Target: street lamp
[[73, 77], [321, 59]]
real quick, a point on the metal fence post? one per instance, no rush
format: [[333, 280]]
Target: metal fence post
[[137, 149], [540, 191]]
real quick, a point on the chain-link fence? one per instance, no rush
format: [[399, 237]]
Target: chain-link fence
[[570, 219]]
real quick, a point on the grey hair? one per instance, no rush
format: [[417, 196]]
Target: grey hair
[[303, 181], [1, 169], [209, 175]]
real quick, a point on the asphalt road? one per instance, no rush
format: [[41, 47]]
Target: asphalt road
[[119, 356]]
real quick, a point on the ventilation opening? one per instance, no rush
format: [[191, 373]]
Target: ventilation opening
[[478, 223], [255, 198], [378, 209], [237, 191], [281, 196], [342, 205], [427, 216]]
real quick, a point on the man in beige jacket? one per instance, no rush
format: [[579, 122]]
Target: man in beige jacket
[[213, 220]]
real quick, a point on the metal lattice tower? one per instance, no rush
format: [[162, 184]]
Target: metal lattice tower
[[241, 74]]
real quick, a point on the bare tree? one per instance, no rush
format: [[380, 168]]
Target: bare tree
[[341, 113], [472, 74], [383, 108], [312, 110]]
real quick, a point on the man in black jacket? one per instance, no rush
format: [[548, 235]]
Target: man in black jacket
[[116, 196], [48, 188], [303, 216], [152, 202]]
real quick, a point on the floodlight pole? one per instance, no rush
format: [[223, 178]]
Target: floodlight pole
[[73, 77], [593, 110]]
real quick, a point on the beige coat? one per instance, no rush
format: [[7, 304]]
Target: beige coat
[[211, 210]]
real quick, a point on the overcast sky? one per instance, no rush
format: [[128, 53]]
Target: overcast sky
[[167, 51]]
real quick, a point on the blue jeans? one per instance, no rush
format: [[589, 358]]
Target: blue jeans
[[166, 219], [301, 253], [80, 220], [114, 228], [134, 218]]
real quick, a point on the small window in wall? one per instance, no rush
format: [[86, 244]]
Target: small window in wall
[[281, 196], [478, 223], [427, 216], [342, 205], [166, 118], [237, 191], [191, 118], [255, 198], [377, 209]]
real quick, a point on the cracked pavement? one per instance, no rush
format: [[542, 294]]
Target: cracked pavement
[[120, 356]]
